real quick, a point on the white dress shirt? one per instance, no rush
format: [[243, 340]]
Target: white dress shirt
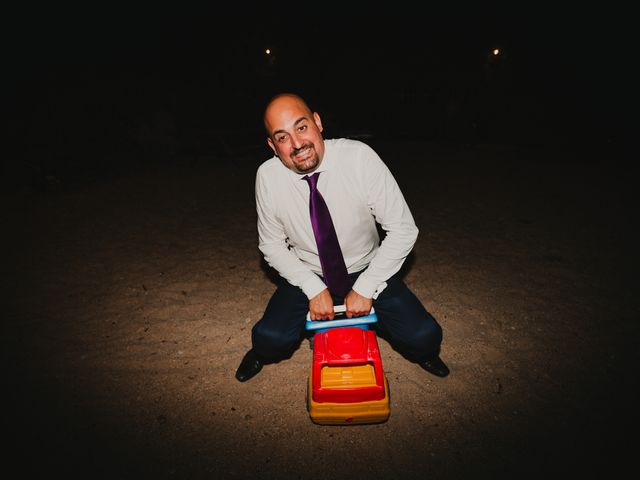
[[359, 190]]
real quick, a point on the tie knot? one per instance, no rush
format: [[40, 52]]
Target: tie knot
[[312, 180]]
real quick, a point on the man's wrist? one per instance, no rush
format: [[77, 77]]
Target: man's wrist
[[312, 286]]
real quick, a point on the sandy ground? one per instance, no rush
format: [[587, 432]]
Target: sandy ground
[[130, 299]]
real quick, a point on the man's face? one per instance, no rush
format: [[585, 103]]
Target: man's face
[[295, 134]]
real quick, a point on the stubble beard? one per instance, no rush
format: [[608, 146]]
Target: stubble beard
[[309, 164]]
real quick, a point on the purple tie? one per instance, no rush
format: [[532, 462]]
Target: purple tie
[[333, 268]]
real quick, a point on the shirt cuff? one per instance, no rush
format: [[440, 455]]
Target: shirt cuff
[[365, 287], [312, 286]]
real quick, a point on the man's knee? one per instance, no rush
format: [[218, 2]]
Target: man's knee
[[428, 336], [272, 344]]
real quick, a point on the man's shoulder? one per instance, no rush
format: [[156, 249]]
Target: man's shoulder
[[353, 152], [269, 167], [347, 144]]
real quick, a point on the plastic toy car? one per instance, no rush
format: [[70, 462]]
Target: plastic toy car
[[347, 384]]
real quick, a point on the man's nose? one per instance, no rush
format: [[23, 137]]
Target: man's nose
[[296, 142]]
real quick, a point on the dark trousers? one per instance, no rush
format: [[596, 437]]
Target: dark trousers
[[402, 321]]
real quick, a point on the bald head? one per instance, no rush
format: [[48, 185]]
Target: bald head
[[281, 104]]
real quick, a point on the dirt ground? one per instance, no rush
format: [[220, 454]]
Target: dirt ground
[[130, 299]]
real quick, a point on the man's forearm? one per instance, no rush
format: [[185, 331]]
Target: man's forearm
[[388, 260], [291, 268]]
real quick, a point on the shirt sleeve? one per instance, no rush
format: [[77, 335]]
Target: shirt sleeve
[[390, 209], [272, 242]]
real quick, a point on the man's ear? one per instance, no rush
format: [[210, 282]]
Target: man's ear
[[317, 120], [272, 146]]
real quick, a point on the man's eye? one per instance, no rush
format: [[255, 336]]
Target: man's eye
[[302, 128], [281, 139]]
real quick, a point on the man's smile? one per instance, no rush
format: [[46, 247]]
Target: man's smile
[[304, 153]]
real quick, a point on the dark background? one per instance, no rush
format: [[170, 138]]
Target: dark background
[[96, 89], [95, 92]]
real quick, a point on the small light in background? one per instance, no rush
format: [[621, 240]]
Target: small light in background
[[496, 52], [268, 61]]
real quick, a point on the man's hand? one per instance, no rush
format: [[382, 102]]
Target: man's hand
[[321, 306], [357, 305]]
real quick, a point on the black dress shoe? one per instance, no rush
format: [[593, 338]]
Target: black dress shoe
[[435, 366], [249, 367]]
